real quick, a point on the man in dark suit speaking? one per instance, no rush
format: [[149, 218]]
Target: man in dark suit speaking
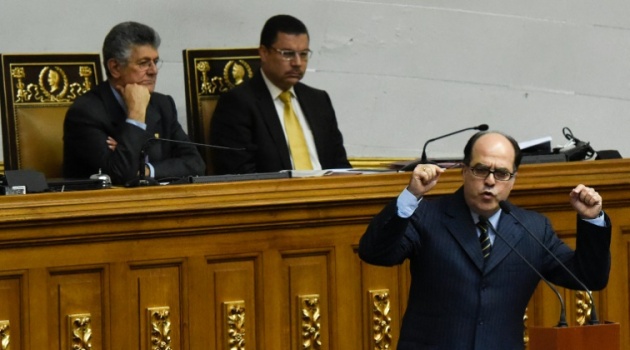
[[469, 289], [108, 127], [282, 123]]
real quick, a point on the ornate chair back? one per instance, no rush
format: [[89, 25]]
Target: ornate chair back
[[208, 73], [35, 94]]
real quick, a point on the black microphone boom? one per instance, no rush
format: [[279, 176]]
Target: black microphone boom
[[562, 322], [506, 208], [143, 181], [423, 158]]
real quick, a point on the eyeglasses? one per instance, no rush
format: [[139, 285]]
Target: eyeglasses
[[145, 64], [499, 174], [289, 55]]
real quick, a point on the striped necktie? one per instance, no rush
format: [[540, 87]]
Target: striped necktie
[[297, 142], [484, 238]]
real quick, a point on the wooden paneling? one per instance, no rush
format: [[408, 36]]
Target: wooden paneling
[[265, 265]]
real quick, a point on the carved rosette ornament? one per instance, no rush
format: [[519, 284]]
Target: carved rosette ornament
[[234, 312], [380, 332], [5, 335], [310, 325], [583, 307], [80, 331], [52, 85], [159, 328]]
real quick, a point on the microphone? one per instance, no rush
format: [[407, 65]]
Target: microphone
[[506, 208], [423, 158], [142, 180], [562, 322]]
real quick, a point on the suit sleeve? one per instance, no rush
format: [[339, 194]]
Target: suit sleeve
[[590, 262], [232, 125], [85, 135], [179, 160], [326, 133], [389, 239]]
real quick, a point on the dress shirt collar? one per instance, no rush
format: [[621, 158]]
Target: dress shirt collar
[[273, 89]]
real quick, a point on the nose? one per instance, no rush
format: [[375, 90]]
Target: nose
[[153, 68], [490, 180], [297, 60]]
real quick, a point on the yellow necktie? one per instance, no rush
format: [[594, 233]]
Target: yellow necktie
[[297, 142]]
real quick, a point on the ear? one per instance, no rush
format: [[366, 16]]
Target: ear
[[114, 67], [263, 52]]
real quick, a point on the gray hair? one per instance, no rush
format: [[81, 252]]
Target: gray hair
[[123, 37]]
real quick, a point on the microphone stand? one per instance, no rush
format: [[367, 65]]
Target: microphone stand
[[506, 208], [562, 322]]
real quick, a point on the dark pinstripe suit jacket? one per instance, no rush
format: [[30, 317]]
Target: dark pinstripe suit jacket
[[457, 303], [246, 117]]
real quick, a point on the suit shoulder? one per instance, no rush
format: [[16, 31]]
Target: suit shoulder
[[301, 87], [527, 215], [89, 100]]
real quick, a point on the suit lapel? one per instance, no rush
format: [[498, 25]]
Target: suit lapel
[[110, 102], [509, 232], [270, 118], [461, 226], [153, 119]]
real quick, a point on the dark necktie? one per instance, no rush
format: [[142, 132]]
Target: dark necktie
[[484, 238]]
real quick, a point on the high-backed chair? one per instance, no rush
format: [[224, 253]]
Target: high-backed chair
[[35, 94], [208, 73]]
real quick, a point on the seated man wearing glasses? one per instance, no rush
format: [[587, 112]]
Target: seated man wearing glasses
[[469, 286], [108, 127], [282, 123]]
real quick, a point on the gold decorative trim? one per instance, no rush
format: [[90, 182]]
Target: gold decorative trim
[[525, 329], [159, 323], [234, 314], [380, 331], [80, 331], [52, 85], [309, 316], [583, 307], [234, 72], [5, 334]]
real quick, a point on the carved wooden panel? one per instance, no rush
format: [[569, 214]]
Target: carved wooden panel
[[5, 334], [378, 281], [77, 291], [233, 278], [381, 320], [234, 317], [308, 273], [80, 332], [12, 310], [156, 285]]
